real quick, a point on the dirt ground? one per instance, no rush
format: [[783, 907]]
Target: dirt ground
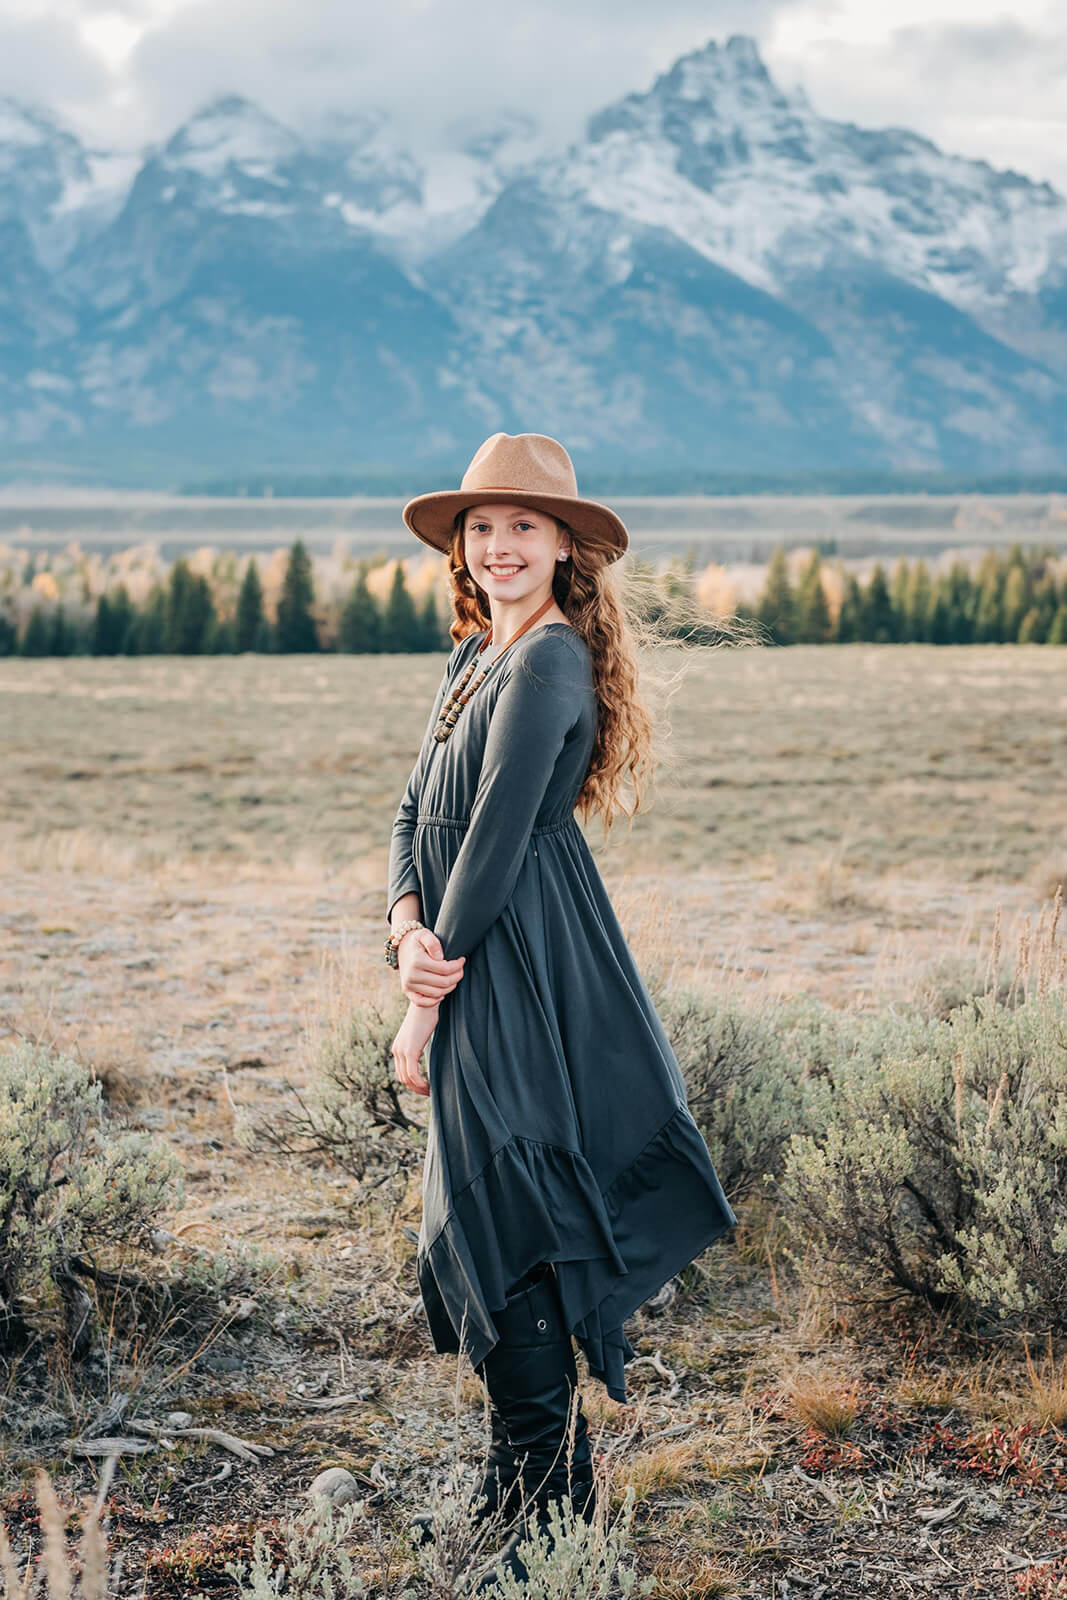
[[782, 1446]]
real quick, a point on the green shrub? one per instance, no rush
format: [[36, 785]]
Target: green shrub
[[935, 1163], [70, 1186], [352, 1117], [744, 1066]]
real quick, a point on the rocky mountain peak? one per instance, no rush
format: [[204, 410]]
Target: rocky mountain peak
[[706, 94], [231, 131], [37, 156]]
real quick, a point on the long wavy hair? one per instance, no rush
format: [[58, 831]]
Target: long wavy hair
[[619, 608]]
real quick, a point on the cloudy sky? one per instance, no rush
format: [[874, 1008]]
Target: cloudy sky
[[974, 75]]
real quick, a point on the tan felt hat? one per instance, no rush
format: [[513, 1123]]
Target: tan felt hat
[[521, 469]]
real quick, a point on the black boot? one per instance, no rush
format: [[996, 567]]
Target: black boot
[[532, 1378], [500, 1488]]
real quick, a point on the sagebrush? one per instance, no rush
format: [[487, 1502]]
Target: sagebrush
[[72, 1186]]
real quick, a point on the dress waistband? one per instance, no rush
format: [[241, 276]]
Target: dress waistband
[[424, 819]]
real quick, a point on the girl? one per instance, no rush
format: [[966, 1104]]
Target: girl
[[565, 1180]]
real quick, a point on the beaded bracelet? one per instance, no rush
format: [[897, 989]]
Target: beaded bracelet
[[392, 944]]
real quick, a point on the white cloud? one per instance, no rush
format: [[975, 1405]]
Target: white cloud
[[976, 79]]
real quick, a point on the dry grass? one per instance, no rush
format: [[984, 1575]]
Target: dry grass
[[918, 758], [71, 1572], [823, 1399], [693, 1579], [1046, 1401], [665, 1467]]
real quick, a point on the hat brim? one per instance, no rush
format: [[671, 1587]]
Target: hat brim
[[430, 516]]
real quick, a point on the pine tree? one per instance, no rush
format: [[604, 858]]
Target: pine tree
[[151, 624], [61, 636], [361, 620], [8, 635], [199, 616], [961, 602], [813, 625], [1015, 604], [249, 609], [221, 636], [189, 611], [1046, 600], [939, 629], [1057, 633], [920, 603], [123, 622], [850, 617], [430, 624], [876, 615], [35, 638], [400, 626], [178, 587], [106, 636], [1032, 629], [898, 600], [776, 607], [990, 584], [295, 631]]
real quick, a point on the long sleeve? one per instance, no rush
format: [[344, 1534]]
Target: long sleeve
[[403, 878], [535, 709]]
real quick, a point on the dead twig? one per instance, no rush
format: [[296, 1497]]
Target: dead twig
[[245, 1448]]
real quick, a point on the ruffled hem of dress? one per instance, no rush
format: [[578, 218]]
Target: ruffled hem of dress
[[612, 1253]]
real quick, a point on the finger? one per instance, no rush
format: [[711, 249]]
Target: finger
[[423, 997], [436, 970], [438, 963], [433, 987]]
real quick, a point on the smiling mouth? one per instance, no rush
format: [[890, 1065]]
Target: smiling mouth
[[503, 572]]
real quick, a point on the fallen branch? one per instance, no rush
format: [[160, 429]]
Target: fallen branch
[[245, 1448], [111, 1446]]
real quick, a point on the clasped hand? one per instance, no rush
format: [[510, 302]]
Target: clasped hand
[[425, 977]]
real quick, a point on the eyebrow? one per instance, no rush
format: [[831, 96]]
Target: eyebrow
[[517, 516]]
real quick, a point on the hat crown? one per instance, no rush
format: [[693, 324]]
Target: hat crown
[[530, 463]]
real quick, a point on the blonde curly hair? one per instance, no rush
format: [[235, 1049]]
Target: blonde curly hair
[[618, 608]]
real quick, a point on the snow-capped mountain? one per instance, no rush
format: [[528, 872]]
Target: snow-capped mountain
[[757, 180], [713, 275], [767, 285], [54, 186]]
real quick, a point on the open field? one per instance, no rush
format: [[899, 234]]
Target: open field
[[193, 884]]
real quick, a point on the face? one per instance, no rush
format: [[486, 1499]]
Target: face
[[511, 551]]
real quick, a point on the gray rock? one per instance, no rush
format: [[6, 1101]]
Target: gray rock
[[336, 1485]]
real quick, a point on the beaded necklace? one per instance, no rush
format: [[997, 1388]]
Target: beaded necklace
[[452, 707]]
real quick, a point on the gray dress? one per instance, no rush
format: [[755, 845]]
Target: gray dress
[[558, 1124]]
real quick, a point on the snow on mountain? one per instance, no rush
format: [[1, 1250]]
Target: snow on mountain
[[756, 180], [885, 273], [229, 137], [713, 273]]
